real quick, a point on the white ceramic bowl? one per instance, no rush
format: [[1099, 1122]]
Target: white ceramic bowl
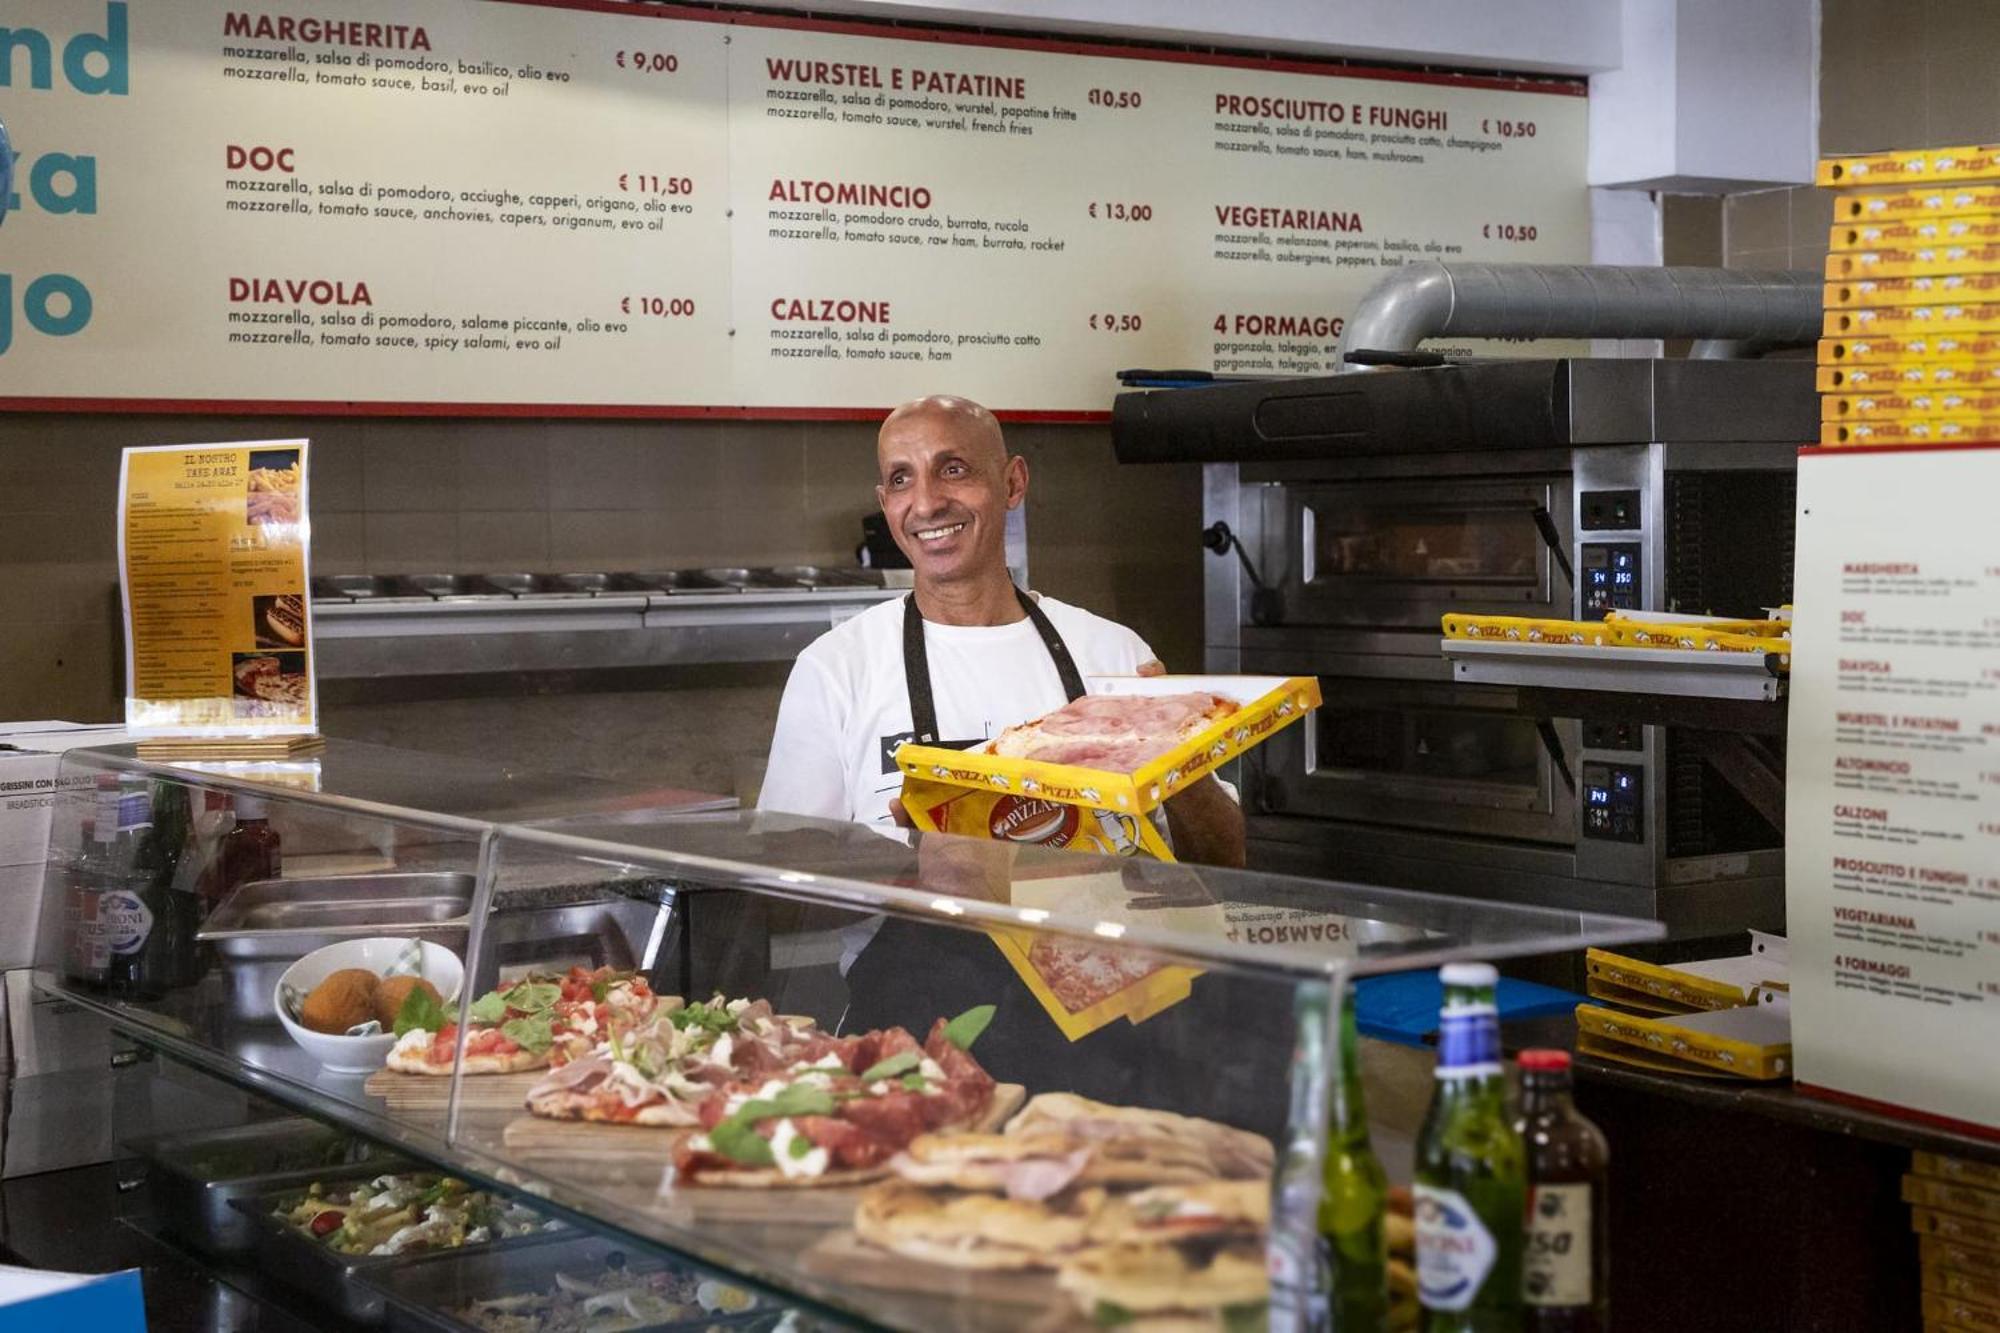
[[358, 1055]]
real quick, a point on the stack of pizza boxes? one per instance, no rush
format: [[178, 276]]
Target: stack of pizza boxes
[[1955, 1210], [1911, 346]]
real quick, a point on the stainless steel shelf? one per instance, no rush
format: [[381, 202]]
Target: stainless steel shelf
[[1656, 671]]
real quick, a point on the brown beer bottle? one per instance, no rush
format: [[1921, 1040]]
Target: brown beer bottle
[[1566, 1261]]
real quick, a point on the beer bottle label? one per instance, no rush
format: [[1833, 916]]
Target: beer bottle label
[[1556, 1269], [1455, 1251], [125, 920]]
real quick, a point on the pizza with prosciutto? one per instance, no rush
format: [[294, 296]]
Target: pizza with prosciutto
[[539, 1021], [1116, 732], [838, 1118], [661, 1073]]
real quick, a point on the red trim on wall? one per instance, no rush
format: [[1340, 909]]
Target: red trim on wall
[[1895, 1112], [618, 411], [1554, 85]]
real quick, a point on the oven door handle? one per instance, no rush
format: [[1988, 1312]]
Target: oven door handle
[[1545, 523], [1546, 729]]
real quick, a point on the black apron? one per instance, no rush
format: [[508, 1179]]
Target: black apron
[[1223, 1052]]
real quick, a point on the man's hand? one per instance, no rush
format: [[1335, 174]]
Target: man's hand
[[1153, 668], [899, 816], [1207, 825]]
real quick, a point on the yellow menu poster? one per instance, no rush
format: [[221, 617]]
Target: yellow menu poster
[[213, 559]]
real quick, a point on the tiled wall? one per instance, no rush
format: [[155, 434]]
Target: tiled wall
[[408, 495], [1893, 74]]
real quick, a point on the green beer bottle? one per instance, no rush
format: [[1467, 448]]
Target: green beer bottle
[[1353, 1200], [1471, 1176]]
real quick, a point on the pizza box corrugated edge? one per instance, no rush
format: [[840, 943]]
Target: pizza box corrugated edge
[[1668, 1037], [1138, 792], [1667, 983]]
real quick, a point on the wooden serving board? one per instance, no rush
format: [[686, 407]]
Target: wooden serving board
[[842, 1254], [430, 1092], [532, 1136]]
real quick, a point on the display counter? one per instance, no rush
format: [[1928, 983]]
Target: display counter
[[907, 993]]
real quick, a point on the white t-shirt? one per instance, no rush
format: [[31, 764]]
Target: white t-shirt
[[847, 705]]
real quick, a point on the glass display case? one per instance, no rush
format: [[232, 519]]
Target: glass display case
[[855, 1076]]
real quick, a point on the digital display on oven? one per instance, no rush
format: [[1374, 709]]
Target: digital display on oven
[[1610, 578], [1612, 811]]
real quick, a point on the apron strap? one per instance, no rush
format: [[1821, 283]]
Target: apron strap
[[917, 669]]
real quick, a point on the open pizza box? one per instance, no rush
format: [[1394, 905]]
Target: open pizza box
[[985, 795]]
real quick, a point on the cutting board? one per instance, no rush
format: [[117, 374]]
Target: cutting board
[[842, 1254], [428, 1092]]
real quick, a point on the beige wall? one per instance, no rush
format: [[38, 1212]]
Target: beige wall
[[406, 495], [1893, 74]]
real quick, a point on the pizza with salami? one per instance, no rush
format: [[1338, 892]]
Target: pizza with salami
[[1115, 732]]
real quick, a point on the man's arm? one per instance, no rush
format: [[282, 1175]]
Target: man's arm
[[1205, 820]]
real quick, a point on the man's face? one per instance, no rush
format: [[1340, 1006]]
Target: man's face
[[945, 486]]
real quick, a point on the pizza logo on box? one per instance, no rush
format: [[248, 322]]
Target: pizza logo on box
[[1028, 819]]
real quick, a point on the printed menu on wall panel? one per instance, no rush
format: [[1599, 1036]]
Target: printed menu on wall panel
[[1892, 863], [213, 556], [520, 206]]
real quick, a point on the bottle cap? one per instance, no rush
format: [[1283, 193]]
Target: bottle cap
[[251, 807], [1469, 974], [1544, 1061]]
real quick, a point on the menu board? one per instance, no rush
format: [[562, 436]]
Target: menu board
[[1892, 863], [506, 206], [212, 550]]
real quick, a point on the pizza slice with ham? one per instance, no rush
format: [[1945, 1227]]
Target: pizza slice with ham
[[1119, 733], [538, 1021]]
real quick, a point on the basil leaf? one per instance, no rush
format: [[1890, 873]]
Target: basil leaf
[[600, 991], [740, 1142], [1250, 1318], [535, 1033], [965, 1029], [916, 1083], [710, 1017], [489, 1008], [799, 1147], [901, 1063], [531, 997], [420, 1010], [1109, 1314]]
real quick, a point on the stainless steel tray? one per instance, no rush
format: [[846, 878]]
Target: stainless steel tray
[[818, 577], [677, 582], [336, 1279], [423, 1294], [356, 587], [193, 1199], [340, 907]]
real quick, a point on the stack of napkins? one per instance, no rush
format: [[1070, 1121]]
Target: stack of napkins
[[1718, 1017]]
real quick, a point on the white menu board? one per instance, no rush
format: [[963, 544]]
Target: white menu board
[[1892, 794], [504, 206]]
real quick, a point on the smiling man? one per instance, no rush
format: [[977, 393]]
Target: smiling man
[[966, 655]]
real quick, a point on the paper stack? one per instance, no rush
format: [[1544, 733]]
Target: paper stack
[[1718, 1018], [1911, 353]]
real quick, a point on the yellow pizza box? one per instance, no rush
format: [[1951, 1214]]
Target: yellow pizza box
[[1955, 1285], [1944, 258], [1911, 289], [1620, 1054], [1955, 1314], [1916, 202], [1949, 1197], [1979, 1175], [1945, 316], [1910, 166], [1136, 1001], [1699, 639], [1909, 430], [1955, 1227], [1909, 346], [1635, 1000], [1910, 404], [932, 773], [1716, 983], [1906, 376], [1748, 1042], [1526, 629], [1906, 234], [1933, 1252]]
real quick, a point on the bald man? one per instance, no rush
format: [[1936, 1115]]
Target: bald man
[[966, 655]]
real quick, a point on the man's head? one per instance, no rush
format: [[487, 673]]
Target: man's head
[[945, 483]]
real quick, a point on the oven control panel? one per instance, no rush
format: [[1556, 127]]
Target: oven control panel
[[1610, 578], [1613, 802]]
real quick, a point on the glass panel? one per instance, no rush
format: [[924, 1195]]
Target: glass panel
[[1418, 543]]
